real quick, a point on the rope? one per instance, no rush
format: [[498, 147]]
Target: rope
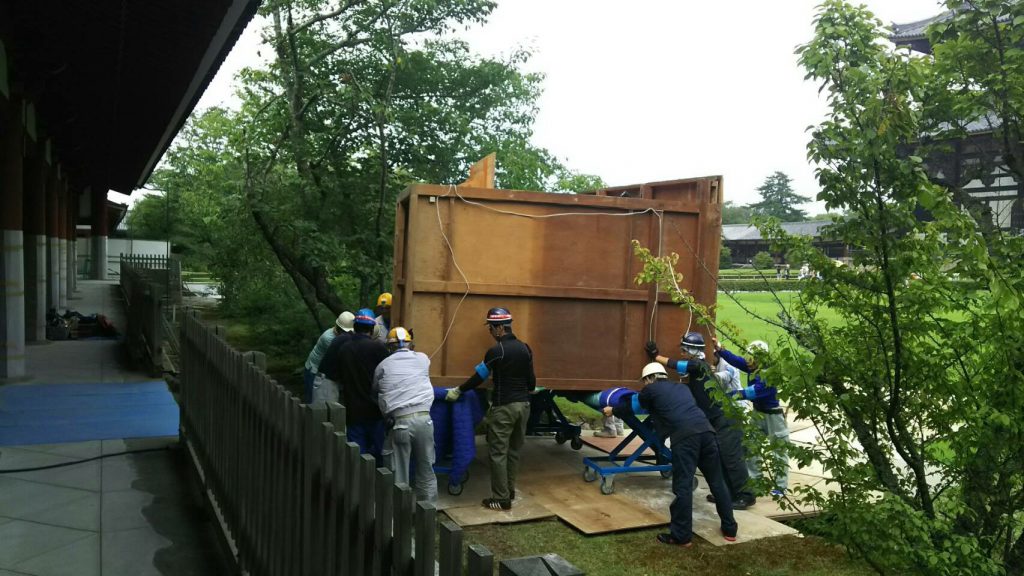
[[453, 190]]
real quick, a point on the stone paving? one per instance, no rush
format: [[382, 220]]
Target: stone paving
[[120, 515]]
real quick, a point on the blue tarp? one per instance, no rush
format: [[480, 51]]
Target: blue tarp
[[454, 426], [58, 413]]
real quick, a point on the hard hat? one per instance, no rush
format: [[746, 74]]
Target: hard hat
[[345, 321], [692, 340], [364, 317], [758, 346], [384, 299], [400, 336], [653, 368], [499, 316]]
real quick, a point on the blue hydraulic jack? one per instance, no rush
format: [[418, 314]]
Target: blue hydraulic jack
[[616, 463]]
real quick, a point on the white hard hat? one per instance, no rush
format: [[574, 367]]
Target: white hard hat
[[345, 321], [758, 345], [653, 368]]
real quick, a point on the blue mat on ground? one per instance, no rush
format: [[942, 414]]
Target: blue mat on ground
[[59, 413]]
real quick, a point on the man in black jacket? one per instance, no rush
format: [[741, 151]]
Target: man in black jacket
[[677, 418], [358, 360], [699, 376], [510, 363]]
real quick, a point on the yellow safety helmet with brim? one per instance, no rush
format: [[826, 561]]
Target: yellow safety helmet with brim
[[400, 336]]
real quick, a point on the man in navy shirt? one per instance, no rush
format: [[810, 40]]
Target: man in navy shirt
[[698, 376], [676, 417]]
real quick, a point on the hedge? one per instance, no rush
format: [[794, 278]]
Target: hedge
[[758, 285]]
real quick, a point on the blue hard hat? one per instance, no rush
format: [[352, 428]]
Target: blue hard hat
[[692, 340], [365, 317], [499, 316]]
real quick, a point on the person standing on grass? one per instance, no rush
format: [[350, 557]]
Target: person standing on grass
[[405, 394], [312, 366], [510, 361], [677, 418], [698, 377], [359, 359], [768, 414]]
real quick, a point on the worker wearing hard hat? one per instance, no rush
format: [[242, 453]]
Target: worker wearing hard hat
[[698, 375], [327, 385], [510, 363], [677, 418], [383, 319], [312, 366], [768, 414], [405, 394], [359, 359]]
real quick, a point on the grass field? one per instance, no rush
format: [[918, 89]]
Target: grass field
[[760, 305]]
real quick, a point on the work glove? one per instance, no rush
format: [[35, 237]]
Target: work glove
[[652, 349], [453, 394]]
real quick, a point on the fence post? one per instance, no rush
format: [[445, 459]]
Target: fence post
[[402, 542], [312, 468], [382, 557], [342, 495], [426, 527], [450, 551], [480, 560], [354, 554]]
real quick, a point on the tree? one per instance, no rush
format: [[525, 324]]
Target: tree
[[763, 261], [913, 377], [724, 257], [778, 199], [733, 214]]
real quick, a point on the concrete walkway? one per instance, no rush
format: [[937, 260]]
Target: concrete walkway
[[126, 514]]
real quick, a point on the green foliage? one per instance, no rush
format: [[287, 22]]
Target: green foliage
[[778, 199], [290, 200], [763, 261], [724, 257], [759, 285], [733, 214]]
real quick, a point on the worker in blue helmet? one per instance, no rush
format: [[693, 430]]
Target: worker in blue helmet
[[510, 363], [358, 361], [699, 376]]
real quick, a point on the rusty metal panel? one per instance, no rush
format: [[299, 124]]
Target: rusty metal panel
[[562, 263]]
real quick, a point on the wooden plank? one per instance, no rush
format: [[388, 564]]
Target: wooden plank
[[481, 173], [450, 549], [581, 201], [426, 527], [384, 485], [476, 515], [403, 525], [479, 560], [327, 525], [350, 527], [458, 288], [582, 505], [342, 496]]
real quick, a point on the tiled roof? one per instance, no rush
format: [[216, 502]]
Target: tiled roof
[[735, 232], [916, 30]]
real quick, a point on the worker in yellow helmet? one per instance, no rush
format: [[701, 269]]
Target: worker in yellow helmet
[[383, 311]]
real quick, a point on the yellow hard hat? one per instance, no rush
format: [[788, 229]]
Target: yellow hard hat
[[384, 299], [400, 336]]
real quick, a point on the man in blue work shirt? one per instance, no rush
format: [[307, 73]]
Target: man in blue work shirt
[[698, 376], [510, 363], [768, 415], [677, 418]]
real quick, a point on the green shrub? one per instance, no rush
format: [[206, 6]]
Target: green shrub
[[758, 285]]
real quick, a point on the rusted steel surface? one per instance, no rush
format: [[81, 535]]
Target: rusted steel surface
[[562, 263]]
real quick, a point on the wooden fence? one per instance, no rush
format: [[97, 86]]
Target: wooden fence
[[292, 495], [146, 328]]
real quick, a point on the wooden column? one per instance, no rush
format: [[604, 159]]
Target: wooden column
[[53, 184], [62, 245], [12, 270]]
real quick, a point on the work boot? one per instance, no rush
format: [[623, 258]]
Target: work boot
[[668, 538]]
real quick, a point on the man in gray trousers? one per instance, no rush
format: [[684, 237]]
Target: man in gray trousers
[[405, 394]]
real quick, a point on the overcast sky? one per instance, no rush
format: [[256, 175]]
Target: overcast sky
[[653, 90]]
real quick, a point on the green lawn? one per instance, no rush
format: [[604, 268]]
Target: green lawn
[[761, 305]]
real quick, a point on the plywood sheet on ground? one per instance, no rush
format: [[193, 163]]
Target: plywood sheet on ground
[[606, 445], [653, 492], [475, 515], [585, 508]]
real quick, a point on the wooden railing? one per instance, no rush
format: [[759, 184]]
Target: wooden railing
[[144, 302], [292, 495]]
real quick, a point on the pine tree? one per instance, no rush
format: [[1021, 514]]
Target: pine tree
[[779, 200]]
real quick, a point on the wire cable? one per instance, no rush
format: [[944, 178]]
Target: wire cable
[[83, 461], [453, 190]]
